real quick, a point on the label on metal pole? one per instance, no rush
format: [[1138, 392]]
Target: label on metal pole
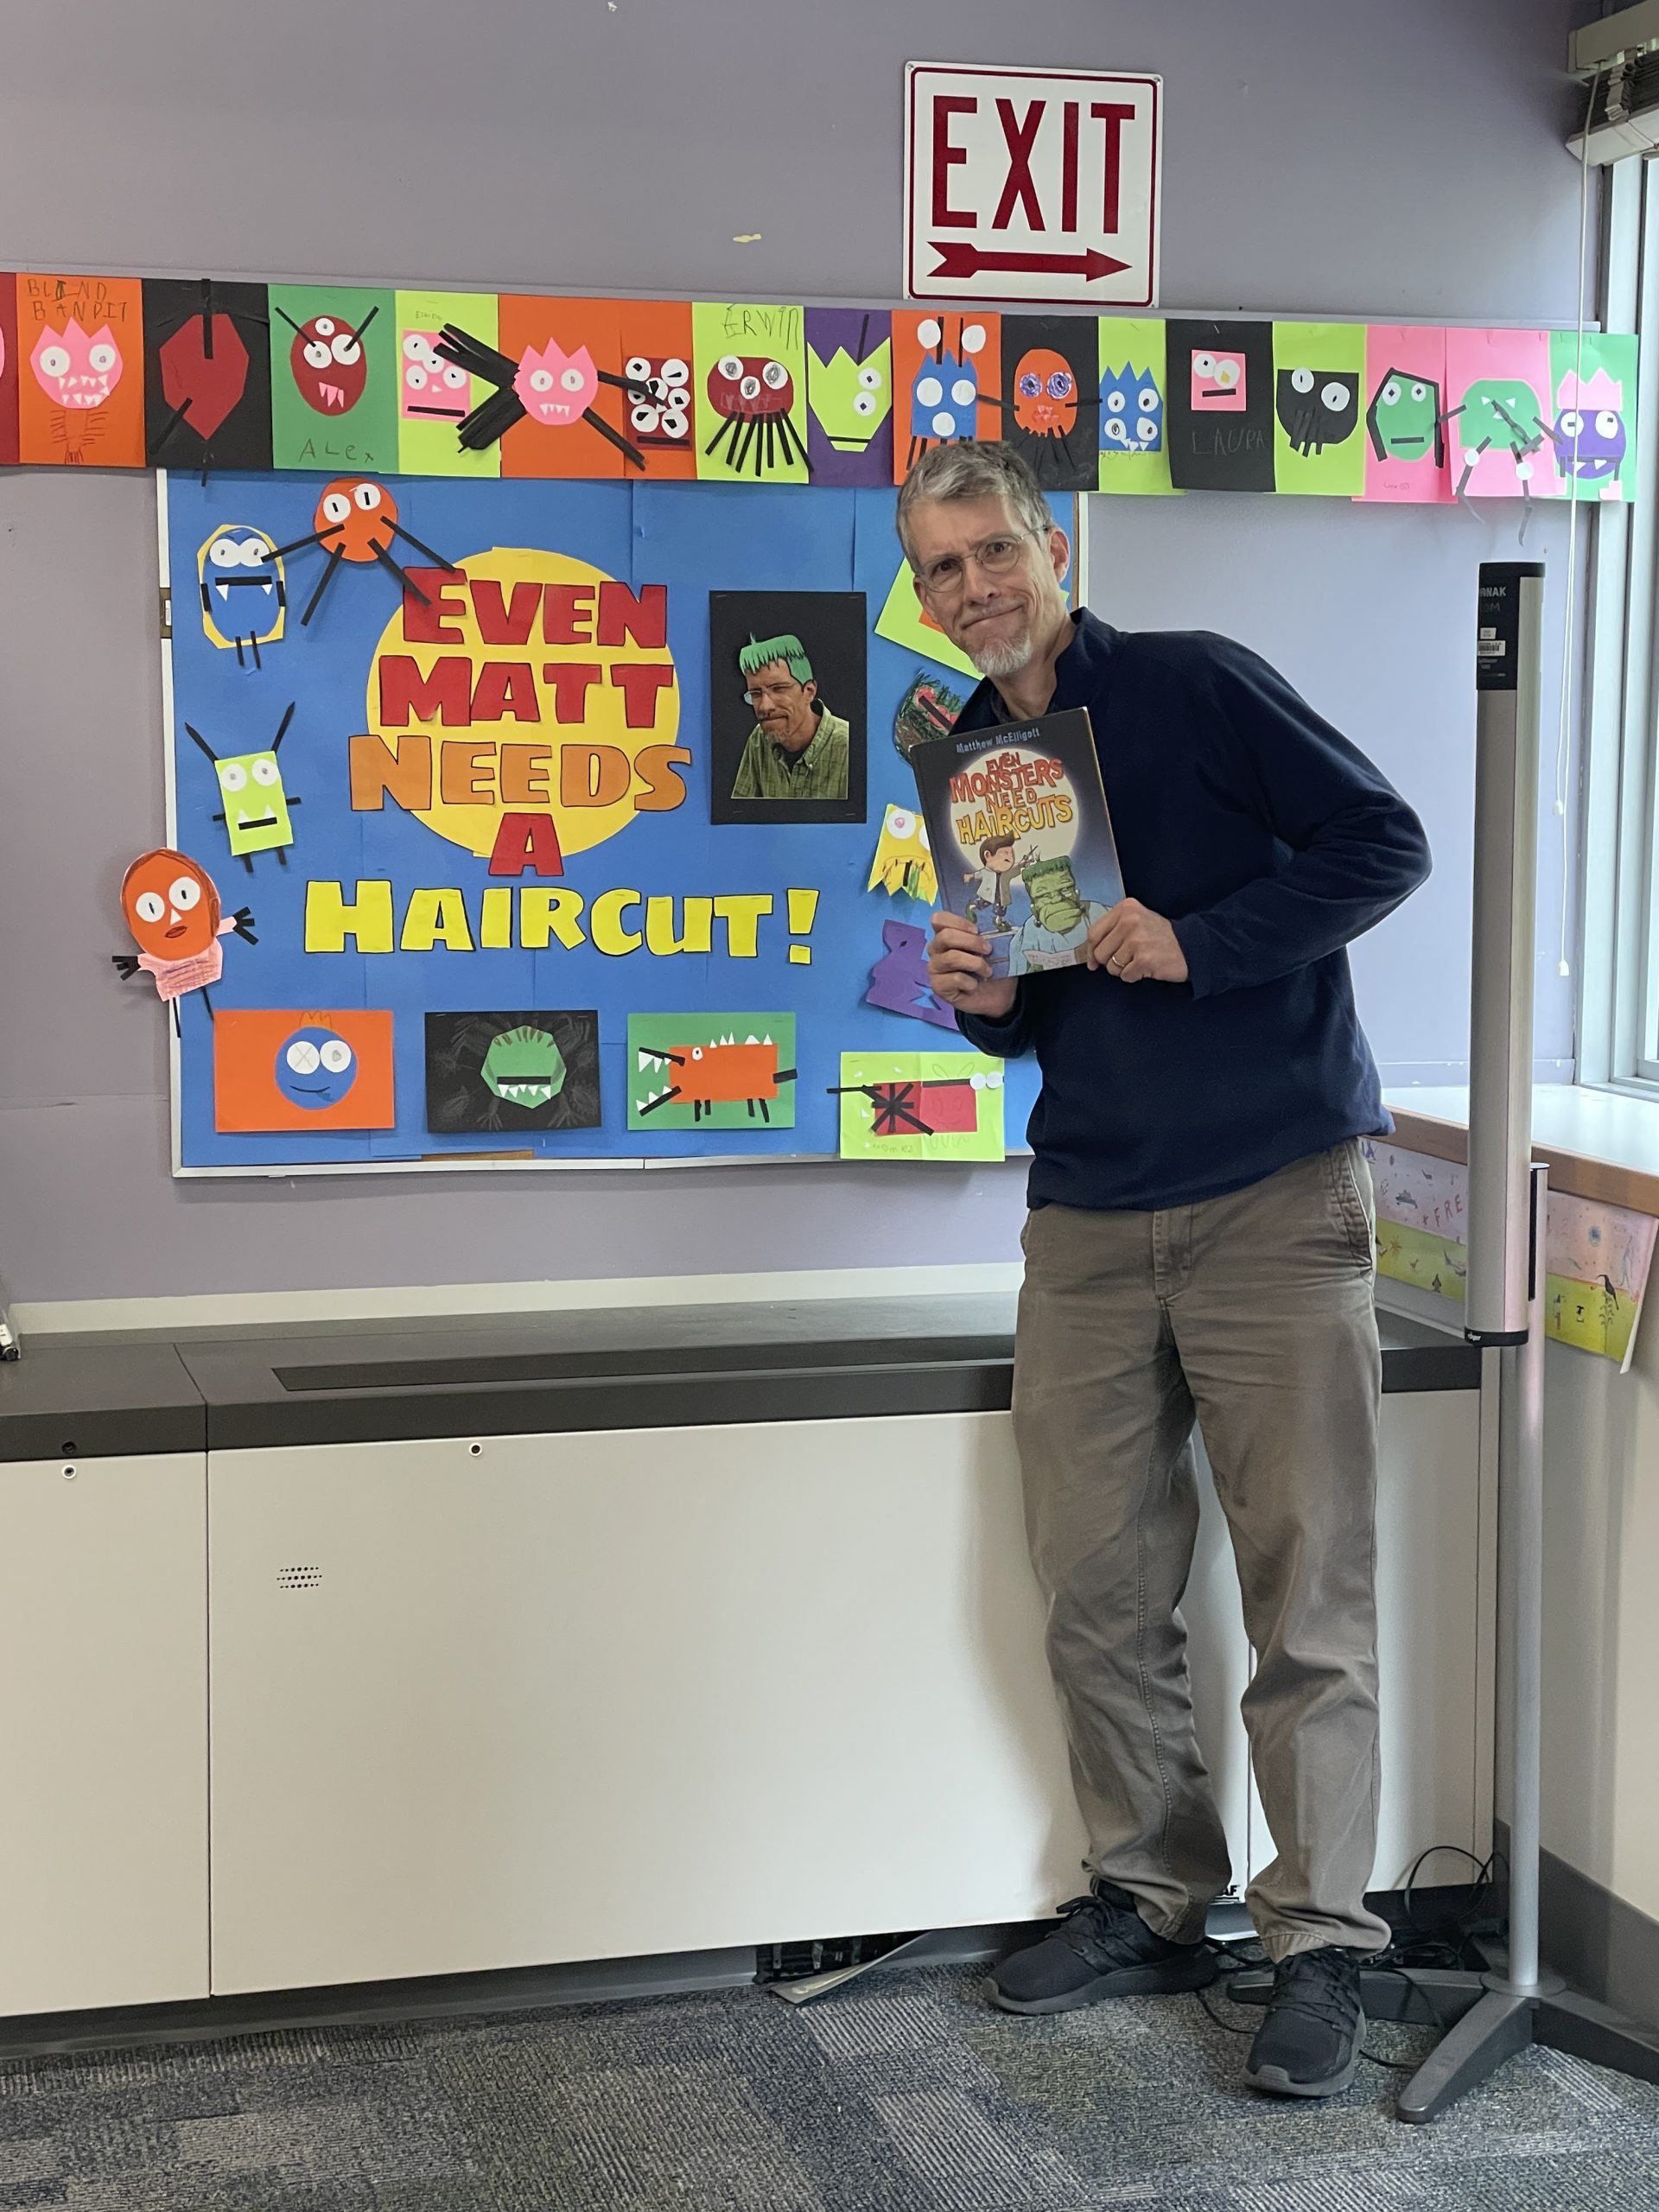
[[1497, 642]]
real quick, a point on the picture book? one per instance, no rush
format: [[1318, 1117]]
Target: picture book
[[1021, 839]]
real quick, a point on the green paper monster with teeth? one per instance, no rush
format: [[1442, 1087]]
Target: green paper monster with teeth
[[852, 399], [525, 1067]]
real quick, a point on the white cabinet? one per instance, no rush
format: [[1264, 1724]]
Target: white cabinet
[[103, 1731], [551, 1698], [566, 1697]]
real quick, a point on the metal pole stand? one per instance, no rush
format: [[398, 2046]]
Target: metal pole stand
[[1487, 2017]]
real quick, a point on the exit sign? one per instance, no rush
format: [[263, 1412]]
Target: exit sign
[[1031, 184]]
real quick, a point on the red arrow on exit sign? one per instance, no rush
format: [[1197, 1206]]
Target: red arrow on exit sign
[[1036, 185], [959, 261]]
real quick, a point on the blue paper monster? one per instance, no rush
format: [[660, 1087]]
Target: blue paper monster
[[944, 399], [945, 394], [315, 1068], [1131, 411]]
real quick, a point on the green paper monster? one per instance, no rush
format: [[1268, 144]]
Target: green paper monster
[[525, 1067], [255, 810], [1502, 412], [1404, 418], [852, 399]]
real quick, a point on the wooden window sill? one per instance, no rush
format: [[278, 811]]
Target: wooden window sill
[[1602, 1145]]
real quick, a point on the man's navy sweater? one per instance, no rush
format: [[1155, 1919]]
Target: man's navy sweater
[[1269, 841]]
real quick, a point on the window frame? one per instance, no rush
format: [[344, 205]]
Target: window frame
[[1618, 993]]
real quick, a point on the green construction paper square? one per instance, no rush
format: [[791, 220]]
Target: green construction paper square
[[712, 1036], [860, 1139], [1334, 352], [901, 623], [720, 328], [1608, 356], [361, 438], [1131, 346], [433, 449]]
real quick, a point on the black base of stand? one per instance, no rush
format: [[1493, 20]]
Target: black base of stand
[[1482, 2022]]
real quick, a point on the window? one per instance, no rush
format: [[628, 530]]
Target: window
[[1619, 1005]]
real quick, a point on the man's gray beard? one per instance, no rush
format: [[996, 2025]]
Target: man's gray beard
[[1001, 657]]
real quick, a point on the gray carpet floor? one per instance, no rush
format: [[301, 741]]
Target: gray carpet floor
[[902, 2093]]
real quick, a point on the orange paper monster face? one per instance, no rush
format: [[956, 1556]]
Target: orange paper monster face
[[1044, 393], [356, 518], [171, 905]]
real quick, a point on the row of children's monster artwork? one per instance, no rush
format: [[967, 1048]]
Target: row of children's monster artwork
[[200, 374], [308, 1071]]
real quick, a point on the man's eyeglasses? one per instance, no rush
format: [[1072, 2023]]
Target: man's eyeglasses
[[994, 557]]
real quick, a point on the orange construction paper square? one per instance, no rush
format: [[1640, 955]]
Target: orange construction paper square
[[80, 371], [259, 1087]]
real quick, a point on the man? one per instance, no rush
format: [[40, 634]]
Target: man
[[1199, 1243], [797, 748]]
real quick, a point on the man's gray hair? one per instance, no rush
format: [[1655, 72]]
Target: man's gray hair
[[968, 470]]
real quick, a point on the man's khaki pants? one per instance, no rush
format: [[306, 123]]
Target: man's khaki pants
[[1254, 1312]]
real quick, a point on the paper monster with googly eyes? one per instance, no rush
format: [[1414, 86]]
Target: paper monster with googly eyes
[[955, 377], [77, 370], [1403, 419], [849, 386], [1317, 408], [1218, 411], [244, 591], [1131, 411], [1588, 431], [660, 391], [315, 1069], [171, 908], [256, 805], [546, 385]]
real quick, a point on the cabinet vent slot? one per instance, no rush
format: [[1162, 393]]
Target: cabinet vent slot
[[298, 1578]]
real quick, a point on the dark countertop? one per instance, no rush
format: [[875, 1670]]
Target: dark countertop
[[619, 1367], [68, 1402]]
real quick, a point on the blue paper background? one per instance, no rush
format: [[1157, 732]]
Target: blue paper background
[[695, 538]]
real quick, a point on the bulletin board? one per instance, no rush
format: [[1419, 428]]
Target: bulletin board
[[500, 906]]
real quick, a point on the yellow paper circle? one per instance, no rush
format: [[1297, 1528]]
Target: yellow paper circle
[[474, 827]]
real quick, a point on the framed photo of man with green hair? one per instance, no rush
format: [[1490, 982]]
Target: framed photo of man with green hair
[[786, 673]]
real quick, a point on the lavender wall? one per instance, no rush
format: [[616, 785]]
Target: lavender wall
[[1392, 164]]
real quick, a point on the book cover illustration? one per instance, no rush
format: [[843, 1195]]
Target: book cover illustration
[[1017, 819]]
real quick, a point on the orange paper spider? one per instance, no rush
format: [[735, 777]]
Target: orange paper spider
[[357, 520]]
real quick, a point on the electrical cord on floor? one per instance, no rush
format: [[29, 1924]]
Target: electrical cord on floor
[[1410, 1948]]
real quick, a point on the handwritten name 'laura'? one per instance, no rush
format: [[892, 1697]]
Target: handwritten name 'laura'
[[1216, 440]]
